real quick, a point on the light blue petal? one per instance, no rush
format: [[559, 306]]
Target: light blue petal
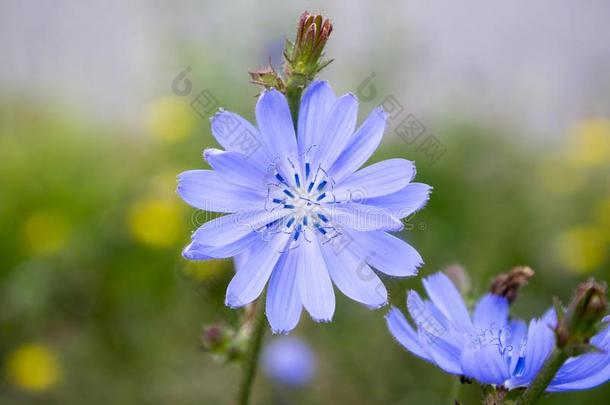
[[404, 202], [248, 283], [361, 146], [354, 277], [337, 132], [491, 311], [448, 300], [516, 342], [485, 364], [385, 252], [207, 190], [597, 377], [444, 353], [275, 124], [283, 301], [362, 217], [229, 229], [235, 134], [315, 287], [241, 258], [405, 335], [382, 178], [424, 319], [588, 370], [540, 343], [196, 251], [236, 168], [316, 104], [433, 335]]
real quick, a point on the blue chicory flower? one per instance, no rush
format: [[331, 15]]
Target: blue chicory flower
[[488, 346], [289, 361], [300, 212]]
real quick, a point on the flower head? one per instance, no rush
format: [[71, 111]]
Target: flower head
[[488, 346], [301, 214]]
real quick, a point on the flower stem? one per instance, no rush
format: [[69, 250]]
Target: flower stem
[[250, 361], [293, 94], [456, 387], [544, 377]]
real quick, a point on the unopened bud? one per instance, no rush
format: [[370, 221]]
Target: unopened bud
[[214, 337], [583, 316], [303, 56], [508, 284]]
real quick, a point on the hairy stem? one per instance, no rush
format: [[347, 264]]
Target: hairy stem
[[250, 362], [544, 377]]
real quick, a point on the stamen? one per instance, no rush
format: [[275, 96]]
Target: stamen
[[520, 367], [310, 187], [297, 180], [297, 233], [307, 170], [322, 217], [280, 178], [277, 201], [288, 193], [321, 196], [319, 228], [322, 184], [290, 222], [305, 220], [289, 206]]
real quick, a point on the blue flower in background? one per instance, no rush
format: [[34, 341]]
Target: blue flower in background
[[488, 346], [300, 212], [289, 361]]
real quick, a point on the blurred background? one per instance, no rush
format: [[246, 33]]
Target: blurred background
[[503, 107]]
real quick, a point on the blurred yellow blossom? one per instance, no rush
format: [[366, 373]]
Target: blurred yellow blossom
[[589, 143], [170, 119], [45, 233], [157, 221], [33, 367], [205, 269], [559, 177], [601, 215], [582, 248]]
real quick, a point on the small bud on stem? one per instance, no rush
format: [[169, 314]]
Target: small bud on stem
[[508, 284], [583, 315], [580, 322], [302, 61]]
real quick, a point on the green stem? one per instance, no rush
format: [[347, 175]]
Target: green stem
[[250, 362], [456, 387], [544, 377], [293, 94]]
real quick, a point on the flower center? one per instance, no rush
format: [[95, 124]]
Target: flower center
[[305, 198]]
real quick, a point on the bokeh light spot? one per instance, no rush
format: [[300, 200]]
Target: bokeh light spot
[[581, 249], [33, 367], [589, 143], [156, 222], [45, 233], [170, 119]]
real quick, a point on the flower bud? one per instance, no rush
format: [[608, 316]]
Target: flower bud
[[508, 284], [214, 337], [582, 317], [303, 56]]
